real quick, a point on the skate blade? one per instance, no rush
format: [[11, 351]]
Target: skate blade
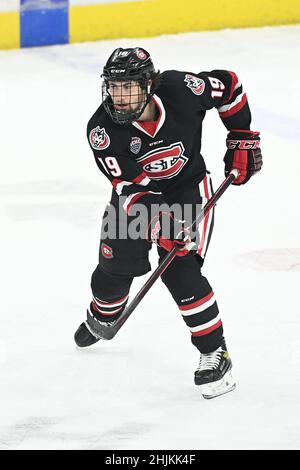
[[220, 387]]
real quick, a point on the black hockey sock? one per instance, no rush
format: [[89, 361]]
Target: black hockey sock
[[210, 342], [107, 311]]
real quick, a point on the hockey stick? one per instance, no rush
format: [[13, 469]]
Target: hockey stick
[[109, 330]]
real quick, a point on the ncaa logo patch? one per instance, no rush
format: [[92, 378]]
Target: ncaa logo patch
[[135, 145], [164, 162], [99, 139], [195, 84], [106, 251]]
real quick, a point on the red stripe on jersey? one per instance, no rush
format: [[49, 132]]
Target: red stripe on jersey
[[136, 180], [207, 330], [235, 108], [175, 151], [134, 199], [115, 182], [198, 302], [139, 178], [234, 82]]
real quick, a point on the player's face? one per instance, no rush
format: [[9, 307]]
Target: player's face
[[127, 96]]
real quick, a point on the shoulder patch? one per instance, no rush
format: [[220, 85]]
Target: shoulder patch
[[99, 139], [195, 84]]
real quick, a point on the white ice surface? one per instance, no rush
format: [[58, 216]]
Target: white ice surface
[[137, 391]]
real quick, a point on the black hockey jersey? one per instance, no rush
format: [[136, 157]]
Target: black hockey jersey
[[145, 161]]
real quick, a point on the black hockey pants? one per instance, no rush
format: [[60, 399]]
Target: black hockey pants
[[120, 260]]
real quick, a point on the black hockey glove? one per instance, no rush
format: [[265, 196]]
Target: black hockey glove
[[166, 231], [243, 154]]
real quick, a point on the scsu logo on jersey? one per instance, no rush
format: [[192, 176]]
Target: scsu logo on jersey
[[196, 84], [106, 251], [164, 162], [99, 139]]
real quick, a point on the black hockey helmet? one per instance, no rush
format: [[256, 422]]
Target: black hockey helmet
[[128, 65]]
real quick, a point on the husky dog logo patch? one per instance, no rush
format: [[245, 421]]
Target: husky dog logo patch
[[99, 139], [195, 84]]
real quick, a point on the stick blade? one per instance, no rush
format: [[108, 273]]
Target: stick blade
[[101, 329]]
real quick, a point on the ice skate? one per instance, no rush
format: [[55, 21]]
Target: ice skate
[[213, 374], [84, 337], [88, 332]]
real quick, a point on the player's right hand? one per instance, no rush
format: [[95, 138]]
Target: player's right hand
[[166, 231]]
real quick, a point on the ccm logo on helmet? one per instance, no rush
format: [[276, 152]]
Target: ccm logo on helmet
[[164, 162]]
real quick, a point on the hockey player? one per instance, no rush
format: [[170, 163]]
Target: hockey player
[[146, 139]]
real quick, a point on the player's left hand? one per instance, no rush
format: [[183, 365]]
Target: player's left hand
[[166, 231], [243, 154]]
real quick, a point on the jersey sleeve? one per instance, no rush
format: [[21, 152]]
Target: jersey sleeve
[[220, 89], [126, 176], [224, 91]]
